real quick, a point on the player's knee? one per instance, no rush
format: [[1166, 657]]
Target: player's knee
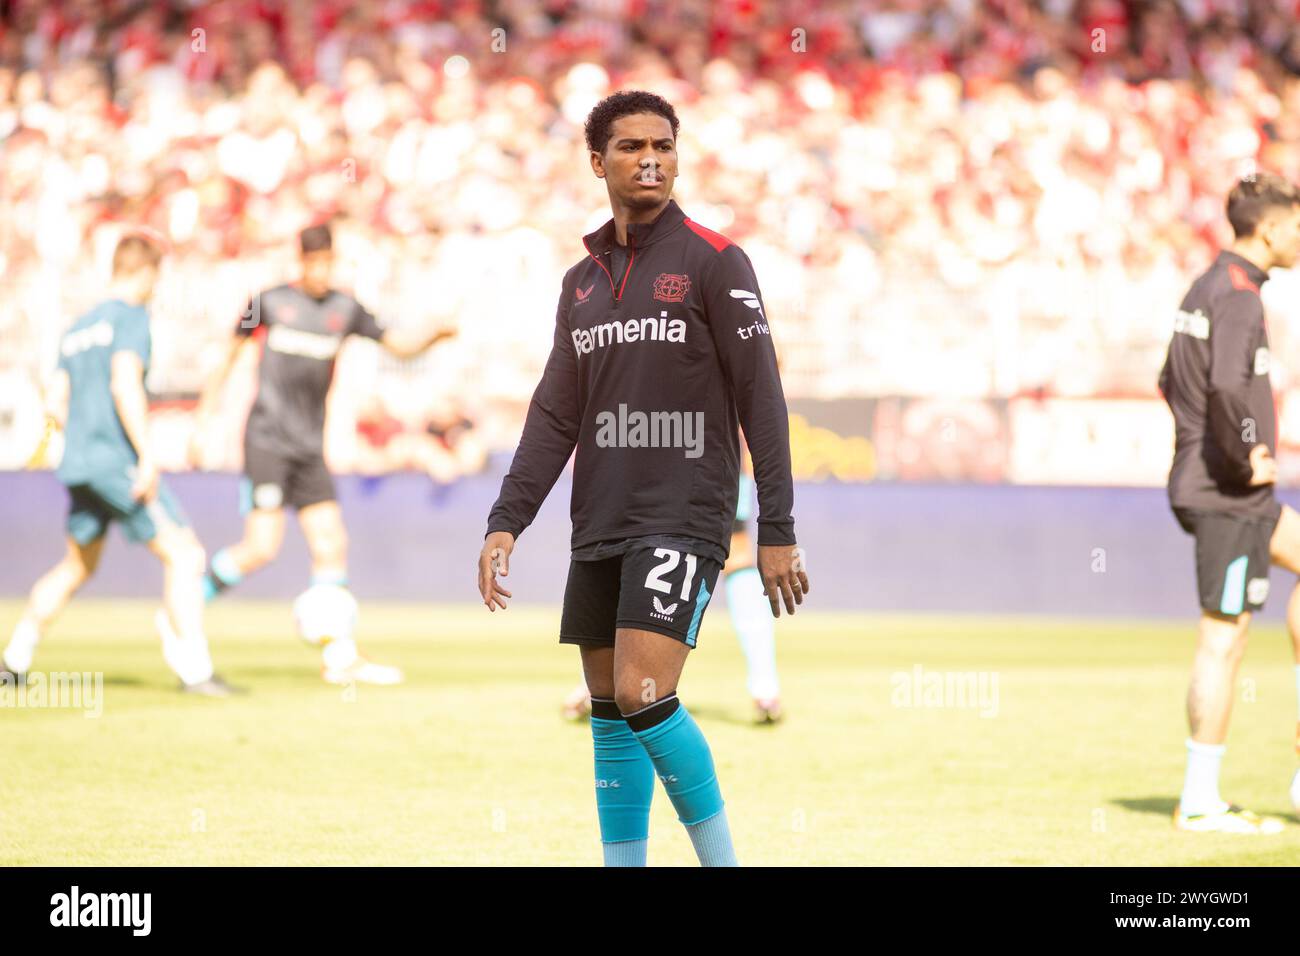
[[1230, 647], [180, 551], [635, 693], [79, 563], [1225, 637], [190, 556], [1240, 635], [259, 550], [89, 563], [78, 572], [628, 698]]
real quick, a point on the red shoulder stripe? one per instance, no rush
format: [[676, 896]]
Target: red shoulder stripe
[[1239, 278], [715, 239]]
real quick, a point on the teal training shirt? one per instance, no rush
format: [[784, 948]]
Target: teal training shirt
[[94, 441]]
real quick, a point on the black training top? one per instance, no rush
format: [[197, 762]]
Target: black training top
[[302, 336], [652, 370], [1215, 380]]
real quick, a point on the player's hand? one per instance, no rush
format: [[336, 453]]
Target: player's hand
[[784, 577], [145, 486], [195, 455], [37, 459], [1263, 466], [439, 333], [494, 559]]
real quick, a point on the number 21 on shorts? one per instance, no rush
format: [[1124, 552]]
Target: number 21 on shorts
[[655, 579]]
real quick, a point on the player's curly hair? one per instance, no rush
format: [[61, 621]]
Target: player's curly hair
[[316, 238], [624, 103], [1252, 198]]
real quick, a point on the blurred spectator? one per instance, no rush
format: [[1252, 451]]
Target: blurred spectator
[[941, 198]]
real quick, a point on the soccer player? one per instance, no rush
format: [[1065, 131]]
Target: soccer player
[[661, 348], [1216, 381], [751, 619], [300, 329], [98, 395]]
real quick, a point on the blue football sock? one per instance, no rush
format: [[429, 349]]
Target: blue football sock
[[222, 573], [712, 841], [683, 762], [339, 578], [625, 785], [625, 852]]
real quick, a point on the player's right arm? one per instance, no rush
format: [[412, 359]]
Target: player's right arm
[[216, 382], [549, 437], [1228, 410], [56, 396]]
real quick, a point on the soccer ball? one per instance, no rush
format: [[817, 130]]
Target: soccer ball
[[324, 613], [1295, 791]]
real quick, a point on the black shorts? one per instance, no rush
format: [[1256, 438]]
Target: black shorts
[[273, 480], [647, 588], [1232, 558]]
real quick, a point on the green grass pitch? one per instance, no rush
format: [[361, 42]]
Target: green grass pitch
[[470, 763]]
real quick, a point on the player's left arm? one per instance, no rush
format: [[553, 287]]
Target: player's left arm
[[57, 394], [403, 342], [743, 339], [1238, 319], [132, 404]]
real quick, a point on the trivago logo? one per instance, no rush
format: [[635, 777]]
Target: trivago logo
[[649, 329], [749, 298]]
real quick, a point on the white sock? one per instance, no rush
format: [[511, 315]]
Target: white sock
[[339, 654], [188, 657], [1201, 783], [22, 646], [751, 616], [198, 659]]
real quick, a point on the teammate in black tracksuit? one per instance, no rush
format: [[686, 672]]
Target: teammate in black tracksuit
[[662, 348], [299, 329], [1216, 381]]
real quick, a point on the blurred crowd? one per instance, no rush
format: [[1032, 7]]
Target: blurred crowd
[[952, 199]]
